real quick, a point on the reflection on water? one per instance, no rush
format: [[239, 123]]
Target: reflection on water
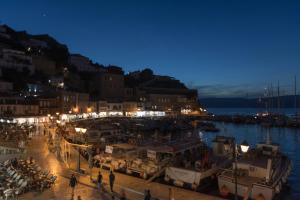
[[289, 140]]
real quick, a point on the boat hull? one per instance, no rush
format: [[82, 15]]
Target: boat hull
[[227, 186]]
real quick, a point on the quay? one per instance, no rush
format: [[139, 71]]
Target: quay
[[132, 186]]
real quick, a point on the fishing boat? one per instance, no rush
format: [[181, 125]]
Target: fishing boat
[[158, 157], [115, 156], [261, 173], [203, 171]]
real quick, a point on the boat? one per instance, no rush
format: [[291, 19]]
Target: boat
[[294, 121], [204, 170], [115, 156], [158, 157], [261, 173]]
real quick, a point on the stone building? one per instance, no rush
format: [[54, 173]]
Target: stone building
[[14, 59], [110, 84], [11, 105]]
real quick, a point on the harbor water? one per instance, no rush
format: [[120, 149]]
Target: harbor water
[[251, 111], [288, 138]]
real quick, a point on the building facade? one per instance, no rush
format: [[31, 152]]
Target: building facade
[[6, 86], [110, 84], [74, 102], [82, 63], [18, 106], [17, 60]]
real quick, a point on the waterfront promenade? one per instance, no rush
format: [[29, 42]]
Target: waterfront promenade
[[132, 186]]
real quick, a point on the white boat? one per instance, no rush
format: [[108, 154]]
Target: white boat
[[115, 156], [157, 158], [261, 173], [203, 170]]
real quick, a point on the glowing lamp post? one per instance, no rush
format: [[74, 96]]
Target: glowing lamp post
[[89, 109], [80, 131], [75, 110], [244, 147]]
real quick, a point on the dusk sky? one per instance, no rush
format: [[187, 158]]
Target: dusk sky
[[223, 48]]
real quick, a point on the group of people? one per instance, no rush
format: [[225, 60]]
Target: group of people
[[111, 180], [73, 183]]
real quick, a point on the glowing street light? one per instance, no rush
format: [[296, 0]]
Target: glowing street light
[[83, 131], [77, 130], [244, 146], [75, 109]]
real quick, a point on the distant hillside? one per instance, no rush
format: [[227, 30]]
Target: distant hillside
[[285, 101], [39, 44]]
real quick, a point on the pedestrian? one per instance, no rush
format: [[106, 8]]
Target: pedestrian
[[123, 195], [111, 180], [73, 183], [99, 180], [112, 196], [147, 195], [171, 194]]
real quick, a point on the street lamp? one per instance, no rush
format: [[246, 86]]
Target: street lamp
[[89, 109], [77, 130], [244, 147], [75, 109], [58, 122], [81, 131]]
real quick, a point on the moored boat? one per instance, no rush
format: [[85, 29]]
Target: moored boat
[[203, 170], [261, 173]]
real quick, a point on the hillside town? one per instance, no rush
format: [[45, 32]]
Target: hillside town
[[40, 77]]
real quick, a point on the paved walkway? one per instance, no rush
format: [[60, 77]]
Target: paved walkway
[[61, 190], [132, 186]]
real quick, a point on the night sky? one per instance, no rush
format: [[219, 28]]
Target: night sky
[[223, 48]]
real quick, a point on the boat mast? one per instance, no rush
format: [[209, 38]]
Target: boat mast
[[266, 96], [278, 98], [295, 96], [272, 98], [268, 139]]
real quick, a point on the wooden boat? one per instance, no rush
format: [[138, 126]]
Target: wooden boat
[[261, 173], [204, 169]]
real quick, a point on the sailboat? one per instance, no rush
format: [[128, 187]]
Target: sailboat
[[294, 121]]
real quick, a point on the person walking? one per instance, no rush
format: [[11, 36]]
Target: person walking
[[111, 180], [147, 195], [73, 183], [171, 194], [123, 195], [99, 180]]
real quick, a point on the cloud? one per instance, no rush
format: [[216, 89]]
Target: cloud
[[226, 91]]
